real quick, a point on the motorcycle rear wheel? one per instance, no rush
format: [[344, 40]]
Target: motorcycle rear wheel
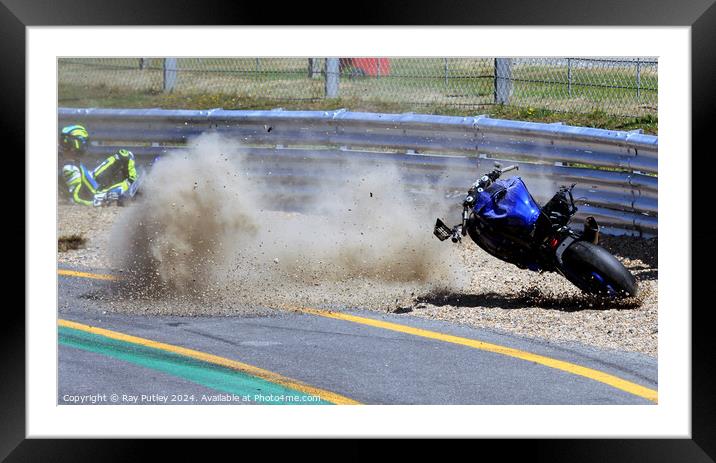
[[594, 270]]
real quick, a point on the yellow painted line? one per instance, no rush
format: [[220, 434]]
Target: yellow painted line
[[216, 360], [94, 276], [596, 375], [568, 367]]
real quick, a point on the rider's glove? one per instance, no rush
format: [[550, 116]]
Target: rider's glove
[[99, 199]]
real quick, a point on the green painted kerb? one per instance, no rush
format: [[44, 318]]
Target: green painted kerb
[[206, 374]]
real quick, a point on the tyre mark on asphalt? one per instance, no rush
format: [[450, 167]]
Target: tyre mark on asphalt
[[174, 359], [295, 329], [615, 366]]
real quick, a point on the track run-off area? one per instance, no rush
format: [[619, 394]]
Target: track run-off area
[[305, 355]]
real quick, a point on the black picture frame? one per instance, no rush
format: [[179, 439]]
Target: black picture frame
[[16, 15]]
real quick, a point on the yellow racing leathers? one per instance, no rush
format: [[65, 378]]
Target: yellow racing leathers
[[80, 184], [117, 172]]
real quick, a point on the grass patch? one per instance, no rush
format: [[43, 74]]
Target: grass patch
[[597, 119], [114, 98], [70, 242]]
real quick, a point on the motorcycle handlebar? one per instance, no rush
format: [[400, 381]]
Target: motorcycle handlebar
[[487, 179]]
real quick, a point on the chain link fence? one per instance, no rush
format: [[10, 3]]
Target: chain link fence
[[615, 86]]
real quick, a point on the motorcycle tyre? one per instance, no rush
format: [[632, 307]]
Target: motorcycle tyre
[[583, 260]]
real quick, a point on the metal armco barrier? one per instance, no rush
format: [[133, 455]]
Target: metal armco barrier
[[615, 171]]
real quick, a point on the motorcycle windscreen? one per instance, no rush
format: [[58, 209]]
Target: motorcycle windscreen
[[508, 202]]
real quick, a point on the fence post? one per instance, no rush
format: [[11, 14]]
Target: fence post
[[170, 74], [314, 68], [569, 76], [445, 62], [503, 80], [332, 76], [638, 78]]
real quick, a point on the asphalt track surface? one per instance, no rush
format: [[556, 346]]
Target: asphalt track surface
[[314, 356]]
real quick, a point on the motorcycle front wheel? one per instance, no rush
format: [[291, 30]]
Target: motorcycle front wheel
[[594, 270]]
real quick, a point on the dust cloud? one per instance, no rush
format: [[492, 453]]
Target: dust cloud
[[209, 233]]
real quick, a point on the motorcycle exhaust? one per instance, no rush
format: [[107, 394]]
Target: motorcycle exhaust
[[591, 230]]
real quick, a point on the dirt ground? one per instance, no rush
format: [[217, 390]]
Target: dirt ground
[[500, 296]]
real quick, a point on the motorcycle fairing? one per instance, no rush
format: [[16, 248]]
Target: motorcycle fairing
[[505, 216], [508, 203], [508, 247]]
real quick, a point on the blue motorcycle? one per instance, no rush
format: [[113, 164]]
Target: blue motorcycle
[[502, 218]]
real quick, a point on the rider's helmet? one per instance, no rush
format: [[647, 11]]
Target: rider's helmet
[[74, 139], [71, 174]]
